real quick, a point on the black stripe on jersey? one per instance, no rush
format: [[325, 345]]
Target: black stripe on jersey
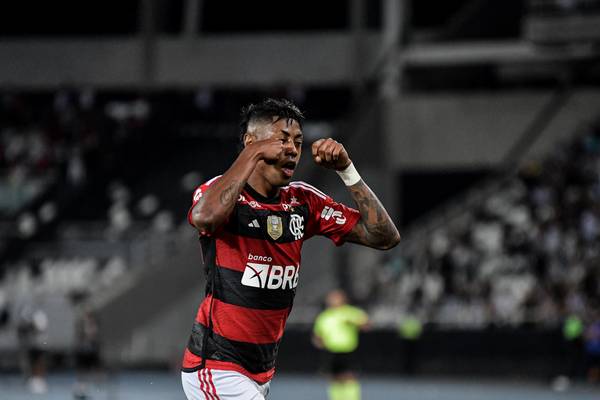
[[255, 358], [242, 222], [209, 250], [229, 289]]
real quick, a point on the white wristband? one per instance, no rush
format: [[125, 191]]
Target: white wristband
[[350, 175]]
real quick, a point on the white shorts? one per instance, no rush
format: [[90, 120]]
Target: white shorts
[[214, 384]]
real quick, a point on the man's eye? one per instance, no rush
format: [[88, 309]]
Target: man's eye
[[298, 143]]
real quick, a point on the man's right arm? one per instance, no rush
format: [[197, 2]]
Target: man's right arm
[[218, 201]]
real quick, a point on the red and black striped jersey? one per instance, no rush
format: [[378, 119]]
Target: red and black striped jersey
[[253, 267]]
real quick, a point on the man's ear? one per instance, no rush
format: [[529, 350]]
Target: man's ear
[[248, 138]]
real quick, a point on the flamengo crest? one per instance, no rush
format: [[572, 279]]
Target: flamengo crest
[[297, 226]]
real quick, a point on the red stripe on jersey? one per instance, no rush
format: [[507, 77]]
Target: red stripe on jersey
[[233, 251], [191, 361], [243, 324]]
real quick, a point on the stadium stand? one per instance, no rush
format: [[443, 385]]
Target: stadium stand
[[518, 250], [487, 261], [111, 177]]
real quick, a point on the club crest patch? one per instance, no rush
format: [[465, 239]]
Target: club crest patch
[[274, 226]]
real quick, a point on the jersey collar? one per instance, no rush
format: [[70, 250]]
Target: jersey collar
[[260, 198]]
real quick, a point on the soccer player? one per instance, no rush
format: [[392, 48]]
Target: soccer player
[[336, 331], [252, 222]]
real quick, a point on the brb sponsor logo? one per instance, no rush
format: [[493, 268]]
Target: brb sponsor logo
[[264, 275]]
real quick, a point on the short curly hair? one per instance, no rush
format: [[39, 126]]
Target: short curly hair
[[266, 110]]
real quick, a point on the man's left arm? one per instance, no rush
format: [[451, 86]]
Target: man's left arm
[[375, 228]]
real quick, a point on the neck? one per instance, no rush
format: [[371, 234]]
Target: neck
[[262, 186]]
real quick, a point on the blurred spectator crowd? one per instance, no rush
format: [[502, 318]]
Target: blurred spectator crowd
[[106, 175], [36, 143], [527, 253]]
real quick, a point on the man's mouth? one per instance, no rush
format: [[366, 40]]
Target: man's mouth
[[288, 168]]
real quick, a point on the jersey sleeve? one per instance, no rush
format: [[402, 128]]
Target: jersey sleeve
[[198, 195], [328, 217]]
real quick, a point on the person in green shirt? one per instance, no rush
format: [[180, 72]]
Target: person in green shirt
[[336, 331]]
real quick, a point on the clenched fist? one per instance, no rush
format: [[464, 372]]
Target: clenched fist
[[270, 150], [330, 154]]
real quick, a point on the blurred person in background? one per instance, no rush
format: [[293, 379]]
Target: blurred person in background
[[31, 328], [573, 329], [592, 347], [4, 308], [87, 351], [252, 222], [336, 331], [410, 329]]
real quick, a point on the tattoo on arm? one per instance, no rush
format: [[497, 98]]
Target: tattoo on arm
[[375, 228], [229, 194], [212, 211]]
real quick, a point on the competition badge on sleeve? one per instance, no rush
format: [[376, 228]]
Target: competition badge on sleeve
[[274, 226]]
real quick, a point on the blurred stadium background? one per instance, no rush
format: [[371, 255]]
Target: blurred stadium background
[[476, 121]]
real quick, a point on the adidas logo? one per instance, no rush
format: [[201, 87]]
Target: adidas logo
[[254, 224]]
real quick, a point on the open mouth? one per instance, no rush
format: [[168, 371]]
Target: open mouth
[[288, 168]]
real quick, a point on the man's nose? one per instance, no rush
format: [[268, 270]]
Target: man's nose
[[290, 149]]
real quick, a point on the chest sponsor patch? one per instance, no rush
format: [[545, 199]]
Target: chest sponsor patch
[[267, 276]]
